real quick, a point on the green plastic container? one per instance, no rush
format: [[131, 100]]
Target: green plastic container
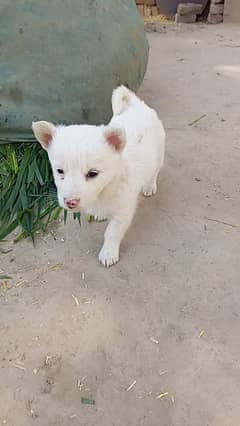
[[61, 59]]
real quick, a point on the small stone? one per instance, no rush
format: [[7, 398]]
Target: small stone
[[185, 19], [189, 8]]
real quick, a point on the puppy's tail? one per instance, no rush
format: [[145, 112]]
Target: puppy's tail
[[122, 98]]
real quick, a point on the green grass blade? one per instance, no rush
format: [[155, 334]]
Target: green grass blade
[[28, 196], [8, 229], [65, 214]]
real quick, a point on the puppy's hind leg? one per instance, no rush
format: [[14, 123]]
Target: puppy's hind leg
[[150, 188]]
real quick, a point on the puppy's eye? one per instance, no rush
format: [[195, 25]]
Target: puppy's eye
[[92, 174], [60, 171]]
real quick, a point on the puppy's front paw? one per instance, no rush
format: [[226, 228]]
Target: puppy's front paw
[[109, 255], [150, 191], [100, 219]]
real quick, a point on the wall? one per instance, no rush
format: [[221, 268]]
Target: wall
[[232, 11]]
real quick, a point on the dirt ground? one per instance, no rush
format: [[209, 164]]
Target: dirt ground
[[166, 318]]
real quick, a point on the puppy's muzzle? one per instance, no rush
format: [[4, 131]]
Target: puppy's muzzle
[[72, 203]]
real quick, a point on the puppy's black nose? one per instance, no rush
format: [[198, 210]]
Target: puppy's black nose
[[71, 203]]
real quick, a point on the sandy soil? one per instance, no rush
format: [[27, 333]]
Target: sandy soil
[[166, 318]]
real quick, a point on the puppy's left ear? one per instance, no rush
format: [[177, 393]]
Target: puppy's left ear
[[115, 138], [43, 132]]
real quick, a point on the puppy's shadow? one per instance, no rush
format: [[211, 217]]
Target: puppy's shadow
[[150, 221]]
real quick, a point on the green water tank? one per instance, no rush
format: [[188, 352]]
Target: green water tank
[[60, 60]]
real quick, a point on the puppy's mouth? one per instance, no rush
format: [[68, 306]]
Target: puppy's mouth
[[72, 205], [73, 209], [76, 209]]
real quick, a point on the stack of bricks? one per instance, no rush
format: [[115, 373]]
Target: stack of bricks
[[215, 15], [187, 12], [147, 7]]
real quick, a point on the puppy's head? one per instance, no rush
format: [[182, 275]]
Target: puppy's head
[[84, 160]]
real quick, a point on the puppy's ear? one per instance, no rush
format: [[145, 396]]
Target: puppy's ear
[[115, 138], [44, 132]]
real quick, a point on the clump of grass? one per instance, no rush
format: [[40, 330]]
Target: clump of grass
[[28, 198]]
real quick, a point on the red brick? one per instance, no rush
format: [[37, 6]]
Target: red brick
[[154, 10], [147, 11], [150, 2], [140, 9], [215, 19]]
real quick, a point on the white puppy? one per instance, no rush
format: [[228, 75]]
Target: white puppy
[[102, 169]]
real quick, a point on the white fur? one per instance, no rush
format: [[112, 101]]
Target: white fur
[[124, 172]]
